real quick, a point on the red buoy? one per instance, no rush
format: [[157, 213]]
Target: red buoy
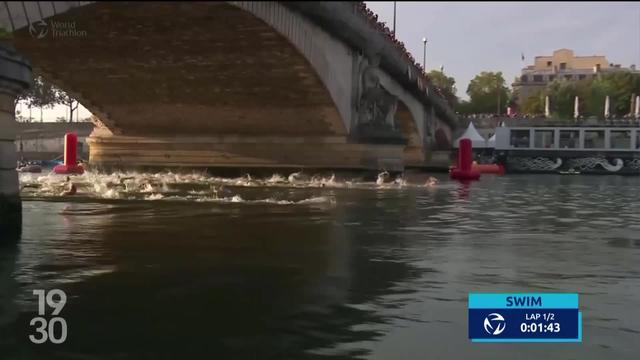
[[464, 171], [70, 165]]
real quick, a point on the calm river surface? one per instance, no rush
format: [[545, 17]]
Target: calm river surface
[[160, 267]]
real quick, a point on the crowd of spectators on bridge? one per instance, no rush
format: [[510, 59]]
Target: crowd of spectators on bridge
[[480, 116], [372, 18]]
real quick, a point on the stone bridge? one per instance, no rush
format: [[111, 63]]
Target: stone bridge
[[223, 84], [300, 84]]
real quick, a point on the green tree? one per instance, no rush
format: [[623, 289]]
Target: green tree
[[464, 107], [534, 104], [446, 84], [562, 95], [41, 94], [65, 99], [619, 86], [488, 93], [5, 35]]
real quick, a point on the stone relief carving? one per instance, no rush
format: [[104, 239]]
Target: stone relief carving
[[375, 105]]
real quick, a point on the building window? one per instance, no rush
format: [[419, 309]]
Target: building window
[[597, 67], [582, 77], [620, 139], [520, 138], [537, 78], [594, 139], [569, 139], [552, 77], [544, 139], [563, 66], [568, 77], [548, 63], [523, 78]]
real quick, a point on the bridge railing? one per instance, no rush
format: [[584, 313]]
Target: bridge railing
[[423, 82]]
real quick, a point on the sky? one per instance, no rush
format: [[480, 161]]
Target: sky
[[470, 37], [467, 38]]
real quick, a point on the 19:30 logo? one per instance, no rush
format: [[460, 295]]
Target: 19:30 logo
[[55, 329]]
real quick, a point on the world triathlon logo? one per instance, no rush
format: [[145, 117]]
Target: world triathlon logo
[[56, 30], [38, 29], [494, 324]]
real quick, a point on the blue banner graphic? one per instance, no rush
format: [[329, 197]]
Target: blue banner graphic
[[524, 317]]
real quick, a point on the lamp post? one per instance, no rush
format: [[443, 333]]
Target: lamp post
[[498, 91], [394, 18], [424, 54]]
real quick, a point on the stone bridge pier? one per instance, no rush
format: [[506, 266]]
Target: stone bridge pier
[[15, 77]]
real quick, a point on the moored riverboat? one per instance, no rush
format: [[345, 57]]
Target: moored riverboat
[[566, 149]]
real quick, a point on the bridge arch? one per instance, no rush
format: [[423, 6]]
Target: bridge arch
[[253, 68], [200, 81], [406, 123]]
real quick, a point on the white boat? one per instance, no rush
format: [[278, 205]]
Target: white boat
[[584, 149]]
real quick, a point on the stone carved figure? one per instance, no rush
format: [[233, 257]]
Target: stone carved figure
[[376, 106]]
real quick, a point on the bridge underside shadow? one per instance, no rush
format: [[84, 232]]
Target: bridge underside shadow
[[197, 84], [414, 152]]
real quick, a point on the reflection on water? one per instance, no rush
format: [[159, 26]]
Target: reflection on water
[[171, 266]]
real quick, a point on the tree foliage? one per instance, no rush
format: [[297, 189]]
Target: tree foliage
[[43, 94], [447, 86], [488, 93], [40, 94], [619, 86], [534, 104], [65, 99]]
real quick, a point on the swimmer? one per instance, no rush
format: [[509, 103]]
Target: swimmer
[[221, 191], [431, 181], [119, 183], [316, 178], [298, 176], [72, 190], [382, 178]]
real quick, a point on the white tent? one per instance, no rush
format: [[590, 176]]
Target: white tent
[[477, 141], [491, 143]]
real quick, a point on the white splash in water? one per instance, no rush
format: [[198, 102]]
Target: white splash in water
[[111, 194], [154, 197], [399, 181], [275, 178], [193, 186], [147, 188], [296, 177]]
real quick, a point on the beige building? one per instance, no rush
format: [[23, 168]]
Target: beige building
[[563, 64]]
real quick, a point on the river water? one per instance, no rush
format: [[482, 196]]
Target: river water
[[159, 266]]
